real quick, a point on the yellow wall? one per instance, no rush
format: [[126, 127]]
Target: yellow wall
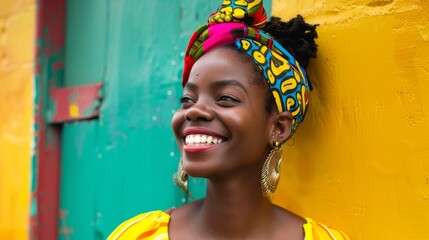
[[360, 161], [17, 38]]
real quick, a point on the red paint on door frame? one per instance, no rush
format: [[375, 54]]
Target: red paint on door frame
[[75, 103], [51, 19]]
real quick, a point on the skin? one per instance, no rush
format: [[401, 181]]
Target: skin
[[221, 99]]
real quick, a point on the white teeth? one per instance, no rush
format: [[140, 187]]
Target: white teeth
[[189, 139], [197, 139]]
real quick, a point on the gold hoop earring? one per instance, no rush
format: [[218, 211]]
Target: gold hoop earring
[[271, 172], [180, 178]]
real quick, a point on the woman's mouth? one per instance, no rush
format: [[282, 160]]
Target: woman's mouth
[[202, 139], [199, 139]]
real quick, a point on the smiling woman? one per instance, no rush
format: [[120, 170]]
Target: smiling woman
[[218, 101], [245, 93]]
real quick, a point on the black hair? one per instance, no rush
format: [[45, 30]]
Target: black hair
[[298, 38]]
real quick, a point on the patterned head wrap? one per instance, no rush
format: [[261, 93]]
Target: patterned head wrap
[[238, 22]]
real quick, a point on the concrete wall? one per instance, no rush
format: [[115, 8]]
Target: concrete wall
[[17, 30], [360, 161]]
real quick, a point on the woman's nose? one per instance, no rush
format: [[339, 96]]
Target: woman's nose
[[199, 112]]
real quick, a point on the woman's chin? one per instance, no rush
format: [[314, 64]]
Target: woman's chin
[[198, 172]]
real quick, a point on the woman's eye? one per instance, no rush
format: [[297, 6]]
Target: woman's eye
[[186, 101], [228, 100]]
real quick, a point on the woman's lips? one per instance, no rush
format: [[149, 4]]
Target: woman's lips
[[198, 148], [199, 139]]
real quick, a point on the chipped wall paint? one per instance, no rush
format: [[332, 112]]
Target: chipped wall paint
[[17, 29], [75, 103], [360, 161], [46, 160]]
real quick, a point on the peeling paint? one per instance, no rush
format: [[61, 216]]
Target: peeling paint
[[46, 161], [64, 229], [75, 103]]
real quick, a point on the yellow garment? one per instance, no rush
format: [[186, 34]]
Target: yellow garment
[[154, 226]]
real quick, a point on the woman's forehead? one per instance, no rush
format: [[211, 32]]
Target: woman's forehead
[[223, 63]]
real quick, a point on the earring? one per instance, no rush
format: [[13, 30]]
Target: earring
[[271, 171], [180, 178]]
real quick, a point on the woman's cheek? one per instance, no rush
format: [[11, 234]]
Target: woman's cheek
[[177, 121]]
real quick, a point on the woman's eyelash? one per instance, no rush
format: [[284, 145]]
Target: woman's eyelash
[[227, 98], [224, 97], [185, 99]]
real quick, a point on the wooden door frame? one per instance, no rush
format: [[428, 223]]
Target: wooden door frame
[[49, 69]]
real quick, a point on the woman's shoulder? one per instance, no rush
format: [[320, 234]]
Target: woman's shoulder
[[318, 231], [155, 224], [145, 225]]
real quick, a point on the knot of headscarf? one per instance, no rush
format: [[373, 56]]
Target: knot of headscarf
[[238, 23], [251, 13]]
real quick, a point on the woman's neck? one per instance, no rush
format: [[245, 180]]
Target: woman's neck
[[234, 207]]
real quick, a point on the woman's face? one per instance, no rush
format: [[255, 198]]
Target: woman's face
[[222, 126]]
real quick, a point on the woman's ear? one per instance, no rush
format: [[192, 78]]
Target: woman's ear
[[282, 127]]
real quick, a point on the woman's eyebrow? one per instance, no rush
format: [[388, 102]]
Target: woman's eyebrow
[[191, 86], [227, 82]]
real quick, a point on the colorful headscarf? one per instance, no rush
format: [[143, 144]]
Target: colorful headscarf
[[238, 22]]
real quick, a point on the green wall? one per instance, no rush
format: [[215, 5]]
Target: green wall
[[122, 163]]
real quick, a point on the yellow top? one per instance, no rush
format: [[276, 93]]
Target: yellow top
[[154, 226]]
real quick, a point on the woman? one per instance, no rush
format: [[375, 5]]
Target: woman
[[244, 95]]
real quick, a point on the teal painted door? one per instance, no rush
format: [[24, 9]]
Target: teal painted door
[[122, 163]]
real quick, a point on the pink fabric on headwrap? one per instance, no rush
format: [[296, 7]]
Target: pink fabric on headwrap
[[248, 13], [222, 34]]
